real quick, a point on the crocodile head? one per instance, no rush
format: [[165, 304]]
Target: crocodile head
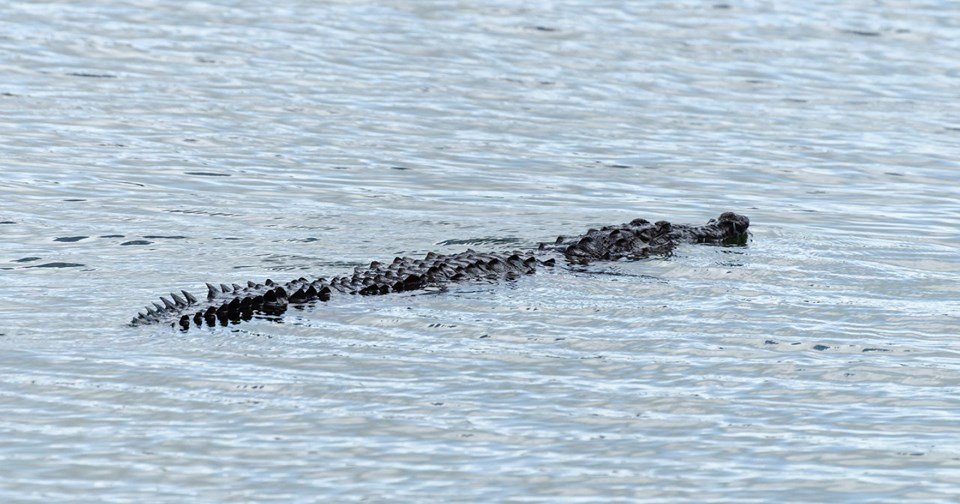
[[735, 228]]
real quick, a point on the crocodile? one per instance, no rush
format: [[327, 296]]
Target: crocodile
[[637, 239]]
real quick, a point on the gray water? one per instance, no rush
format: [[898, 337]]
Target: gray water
[[152, 146]]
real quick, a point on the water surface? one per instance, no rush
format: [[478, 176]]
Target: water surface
[[149, 147]]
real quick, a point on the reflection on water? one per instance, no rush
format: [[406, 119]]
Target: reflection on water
[[149, 148]]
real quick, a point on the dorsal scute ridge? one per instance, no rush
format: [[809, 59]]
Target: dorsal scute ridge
[[637, 239]]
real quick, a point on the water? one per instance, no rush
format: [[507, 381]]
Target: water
[[149, 146]]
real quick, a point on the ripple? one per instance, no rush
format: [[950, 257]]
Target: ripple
[[207, 174]]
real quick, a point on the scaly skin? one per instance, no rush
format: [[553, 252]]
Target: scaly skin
[[635, 240]]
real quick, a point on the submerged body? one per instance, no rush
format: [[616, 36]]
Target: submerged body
[[635, 240]]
